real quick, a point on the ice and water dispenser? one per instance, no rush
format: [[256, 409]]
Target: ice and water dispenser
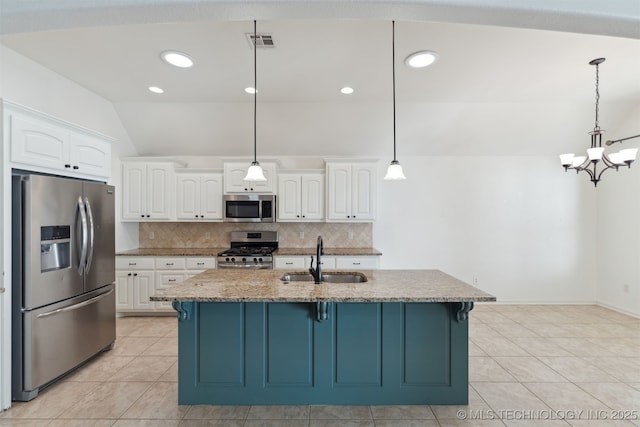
[[55, 247]]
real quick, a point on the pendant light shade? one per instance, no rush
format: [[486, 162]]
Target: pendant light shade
[[255, 173], [394, 171]]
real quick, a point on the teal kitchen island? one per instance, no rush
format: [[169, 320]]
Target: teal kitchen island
[[248, 338]]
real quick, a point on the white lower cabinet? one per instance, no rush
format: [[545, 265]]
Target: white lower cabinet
[[300, 262], [137, 278]]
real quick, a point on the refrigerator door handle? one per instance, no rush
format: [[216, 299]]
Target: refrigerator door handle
[[92, 232], [83, 252], [75, 306]]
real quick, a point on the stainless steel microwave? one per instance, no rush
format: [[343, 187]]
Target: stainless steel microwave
[[250, 208]]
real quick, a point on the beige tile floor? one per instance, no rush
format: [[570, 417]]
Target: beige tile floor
[[529, 365]]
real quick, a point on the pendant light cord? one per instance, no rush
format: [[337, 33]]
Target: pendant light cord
[[393, 62], [255, 91]]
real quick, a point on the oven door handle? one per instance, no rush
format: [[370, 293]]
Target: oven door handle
[[75, 306]]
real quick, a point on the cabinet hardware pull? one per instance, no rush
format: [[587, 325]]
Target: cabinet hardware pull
[[356, 263], [76, 167], [135, 274], [200, 263], [168, 264], [133, 263], [148, 216], [129, 274], [172, 280], [246, 189], [142, 216], [288, 263], [67, 166]]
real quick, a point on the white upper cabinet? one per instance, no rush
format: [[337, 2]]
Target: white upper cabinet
[[45, 144], [148, 191], [234, 173], [199, 196], [351, 191], [301, 197]]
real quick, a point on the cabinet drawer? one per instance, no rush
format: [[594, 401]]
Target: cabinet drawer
[[369, 262], [134, 263], [289, 262], [170, 263], [164, 280], [194, 263]]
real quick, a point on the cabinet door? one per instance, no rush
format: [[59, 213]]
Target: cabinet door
[[363, 192], [124, 290], [188, 199], [288, 197], [339, 192], [211, 196], [312, 197], [90, 156], [34, 142], [143, 288], [234, 174], [134, 191], [160, 187]]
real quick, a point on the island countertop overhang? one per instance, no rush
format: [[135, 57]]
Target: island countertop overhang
[[265, 286]]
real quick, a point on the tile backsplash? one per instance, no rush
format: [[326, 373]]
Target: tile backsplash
[[216, 234]]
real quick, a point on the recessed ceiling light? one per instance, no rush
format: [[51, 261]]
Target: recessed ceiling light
[[250, 90], [421, 59], [156, 89], [347, 90], [177, 59]]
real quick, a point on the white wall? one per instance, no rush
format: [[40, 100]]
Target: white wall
[[619, 228], [519, 225], [28, 83]]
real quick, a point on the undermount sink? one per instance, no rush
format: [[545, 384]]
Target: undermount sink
[[333, 277]]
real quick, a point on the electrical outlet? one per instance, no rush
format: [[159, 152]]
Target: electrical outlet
[[302, 234], [475, 281], [207, 235], [152, 235], [625, 287], [350, 235]]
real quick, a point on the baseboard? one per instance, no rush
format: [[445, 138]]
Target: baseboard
[[619, 310]]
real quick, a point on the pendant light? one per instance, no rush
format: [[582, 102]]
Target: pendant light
[[394, 171], [255, 173], [597, 161]]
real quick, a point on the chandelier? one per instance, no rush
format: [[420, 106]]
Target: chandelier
[[596, 161]]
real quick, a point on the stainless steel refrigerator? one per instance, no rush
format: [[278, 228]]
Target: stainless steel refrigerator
[[63, 274]]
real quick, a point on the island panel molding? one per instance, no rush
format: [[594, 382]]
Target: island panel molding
[[263, 353]]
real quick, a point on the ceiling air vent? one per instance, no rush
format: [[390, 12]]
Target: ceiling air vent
[[262, 40]]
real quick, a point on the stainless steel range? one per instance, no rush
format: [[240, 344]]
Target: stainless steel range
[[250, 249]]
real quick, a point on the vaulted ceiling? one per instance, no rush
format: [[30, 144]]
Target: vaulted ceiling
[[495, 89]]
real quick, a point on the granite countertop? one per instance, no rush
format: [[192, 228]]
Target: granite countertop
[[328, 251], [172, 252], [215, 251], [265, 286]]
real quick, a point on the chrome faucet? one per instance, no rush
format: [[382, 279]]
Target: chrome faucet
[[317, 272]]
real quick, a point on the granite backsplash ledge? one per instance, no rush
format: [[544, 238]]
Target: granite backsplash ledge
[[216, 234]]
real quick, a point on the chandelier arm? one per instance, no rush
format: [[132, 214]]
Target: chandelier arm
[[602, 171], [608, 162], [589, 171]]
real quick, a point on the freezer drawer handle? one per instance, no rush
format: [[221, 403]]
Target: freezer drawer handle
[[75, 306]]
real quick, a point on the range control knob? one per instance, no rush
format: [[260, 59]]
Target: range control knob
[[227, 259], [244, 260], [255, 260], [233, 260], [259, 259]]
